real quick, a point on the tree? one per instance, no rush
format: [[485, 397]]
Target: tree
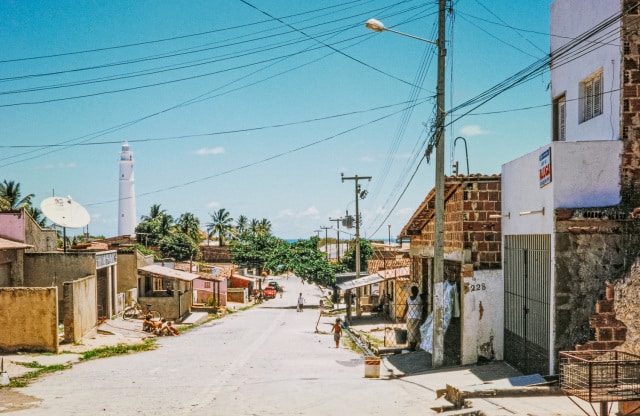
[[37, 215], [307, 262], [241, 226], [255, 251], [178, 246], [366, 252], [220, 225], [10, 193], [189, 224], [264, 227], [154, 212], [154, 228]]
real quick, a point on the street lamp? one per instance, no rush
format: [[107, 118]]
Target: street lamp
[[438, 237]]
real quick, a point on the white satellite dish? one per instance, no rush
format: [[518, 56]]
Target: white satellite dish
[[65, 212]]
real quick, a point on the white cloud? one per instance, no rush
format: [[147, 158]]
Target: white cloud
[[210, 151], [473, 130], [367, 159], [311, 212], [213, 204], [60, 165]]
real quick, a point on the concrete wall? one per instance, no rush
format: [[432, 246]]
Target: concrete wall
[[53, 269], [482, 314], [567, 74], [127, 271], [14, 260], [29, 319], [584, 174], [170, 307], [80, 310]]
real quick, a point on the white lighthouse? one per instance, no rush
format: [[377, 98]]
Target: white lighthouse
[[127, 194]]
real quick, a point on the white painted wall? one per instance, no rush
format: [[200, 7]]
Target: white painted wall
[[570, 19], [584, 174], [482, 313]]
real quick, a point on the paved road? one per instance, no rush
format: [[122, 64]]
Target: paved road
[[264, 361]]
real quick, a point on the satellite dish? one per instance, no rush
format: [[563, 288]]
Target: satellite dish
[[65, 212]]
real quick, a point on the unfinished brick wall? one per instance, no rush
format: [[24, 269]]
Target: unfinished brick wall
[[610, 332], [630, 168], [481, 233]]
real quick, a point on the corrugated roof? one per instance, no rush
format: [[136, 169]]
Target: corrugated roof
[[394, 273], [362, 281], [154, 269]]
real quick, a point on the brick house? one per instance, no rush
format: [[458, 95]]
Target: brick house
[[472, 254]]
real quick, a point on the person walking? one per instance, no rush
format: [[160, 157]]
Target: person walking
[[300, 303], [337, 332]]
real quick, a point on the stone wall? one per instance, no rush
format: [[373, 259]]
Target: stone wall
[[29, 319], [627, 307], [588, 253]]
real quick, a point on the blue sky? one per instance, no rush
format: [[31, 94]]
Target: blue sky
[[258, 106]]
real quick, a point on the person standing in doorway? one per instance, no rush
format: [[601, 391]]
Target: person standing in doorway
[[300, 302], [413, 313]]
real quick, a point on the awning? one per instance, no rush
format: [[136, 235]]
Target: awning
[[162, 271], [362, 281], [12, 245], [394, 273]]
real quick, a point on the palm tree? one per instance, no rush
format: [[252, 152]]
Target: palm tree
[[10, 193], [164, 224], [254, 226], [154, 213], [221, 224], [37, 215], [189, 225], [264, 227], [241, 226]]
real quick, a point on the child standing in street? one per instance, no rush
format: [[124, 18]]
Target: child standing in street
[[337, 332]]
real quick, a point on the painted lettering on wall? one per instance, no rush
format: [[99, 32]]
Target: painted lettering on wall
[[544, 168]]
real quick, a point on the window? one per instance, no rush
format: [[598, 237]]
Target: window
[[591, 97], [559, 119], [207, 285]]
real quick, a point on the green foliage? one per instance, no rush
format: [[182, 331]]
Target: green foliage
[[256, 250], [220, 225], [40, 369], [348, 261], [12, 198], [178, 246], [120, 349]]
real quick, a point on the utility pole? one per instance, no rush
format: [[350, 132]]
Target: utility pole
[[326, 244], [358, 196], [337, 220], [438, 238], [389, 234]]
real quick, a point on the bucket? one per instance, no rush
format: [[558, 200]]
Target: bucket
[[401, 336], [4, 379], [372, 367]]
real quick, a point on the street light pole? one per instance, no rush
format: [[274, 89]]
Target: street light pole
[[438, 240], [438, 232]]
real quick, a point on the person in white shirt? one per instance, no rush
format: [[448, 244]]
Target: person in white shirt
[[413, 314], [300, 303]]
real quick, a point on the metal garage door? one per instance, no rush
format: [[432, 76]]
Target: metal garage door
[[527, 285]]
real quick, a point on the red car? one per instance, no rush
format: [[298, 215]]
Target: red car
[[269, 292]]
